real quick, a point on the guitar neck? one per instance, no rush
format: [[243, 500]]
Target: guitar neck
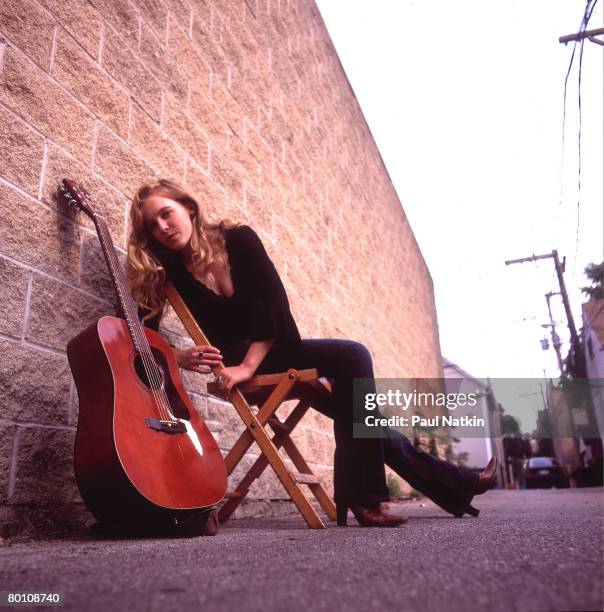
[[120, 284]]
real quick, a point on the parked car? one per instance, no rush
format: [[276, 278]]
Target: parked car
[[543, 473]]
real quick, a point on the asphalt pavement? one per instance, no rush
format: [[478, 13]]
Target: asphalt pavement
[[534, 550]]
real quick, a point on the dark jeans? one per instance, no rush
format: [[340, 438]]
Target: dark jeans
[[359, 476]]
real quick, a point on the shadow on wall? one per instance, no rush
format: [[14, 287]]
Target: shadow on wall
[[45, 498]]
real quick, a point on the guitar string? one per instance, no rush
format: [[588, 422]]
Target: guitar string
[[144, 350], [152, 370], [134, 332], [138, 336]]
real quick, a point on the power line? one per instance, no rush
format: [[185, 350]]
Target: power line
[[578, 38]]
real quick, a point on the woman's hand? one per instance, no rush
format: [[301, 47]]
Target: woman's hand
[[229, 377], [199, 358]]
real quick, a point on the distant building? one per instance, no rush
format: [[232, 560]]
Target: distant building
[[480, 446], [563, 430], [576, 411], [593, 339]]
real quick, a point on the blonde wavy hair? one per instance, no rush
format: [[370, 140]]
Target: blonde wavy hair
[[145, 263]]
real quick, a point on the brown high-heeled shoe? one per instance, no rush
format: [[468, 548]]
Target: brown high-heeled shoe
[[487, 477], [369, 517], [483, 484]]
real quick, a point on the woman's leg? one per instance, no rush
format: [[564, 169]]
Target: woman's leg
[[359, 476], [358, 463], [445, 484]]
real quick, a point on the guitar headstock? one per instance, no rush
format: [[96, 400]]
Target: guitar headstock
[[77, 196]]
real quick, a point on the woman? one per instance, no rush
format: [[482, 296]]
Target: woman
[[227, 280]]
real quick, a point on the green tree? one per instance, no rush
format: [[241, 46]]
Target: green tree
[[509, 425], [543, 435], [595, 273]]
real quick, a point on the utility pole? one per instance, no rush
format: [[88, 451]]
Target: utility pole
[[574, 338], [552, 324], [589, 34]]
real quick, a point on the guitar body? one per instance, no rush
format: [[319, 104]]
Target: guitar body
[[129, 470]]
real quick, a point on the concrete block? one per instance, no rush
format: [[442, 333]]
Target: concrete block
[[32, 94], [7, 437], [34, 385], [110, 203], [117, 163], [153, 145], [81, 76], [13, 294], [58, 312], [86, 29], [21, 150], [36, 236], [128, 69], [162, 65], [44, 473]]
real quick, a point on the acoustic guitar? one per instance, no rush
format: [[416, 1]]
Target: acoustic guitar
[[143, 455]]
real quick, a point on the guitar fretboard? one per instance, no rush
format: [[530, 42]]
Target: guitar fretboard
[[120, 284]]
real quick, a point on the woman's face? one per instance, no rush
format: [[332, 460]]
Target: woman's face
[[168, 221]]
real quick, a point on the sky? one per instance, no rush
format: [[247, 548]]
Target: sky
[[465, 102]]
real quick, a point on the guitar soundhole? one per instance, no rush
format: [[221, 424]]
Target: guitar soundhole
[[154, 372], [149, 373]]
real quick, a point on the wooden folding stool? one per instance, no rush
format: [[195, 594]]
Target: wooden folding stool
[[268, 392]]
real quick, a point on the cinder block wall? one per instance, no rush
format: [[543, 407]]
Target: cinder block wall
[[246, 102]]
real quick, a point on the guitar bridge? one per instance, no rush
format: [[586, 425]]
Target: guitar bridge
[[165, 426]]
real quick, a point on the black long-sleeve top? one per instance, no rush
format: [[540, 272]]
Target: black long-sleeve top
[[257, 310]]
